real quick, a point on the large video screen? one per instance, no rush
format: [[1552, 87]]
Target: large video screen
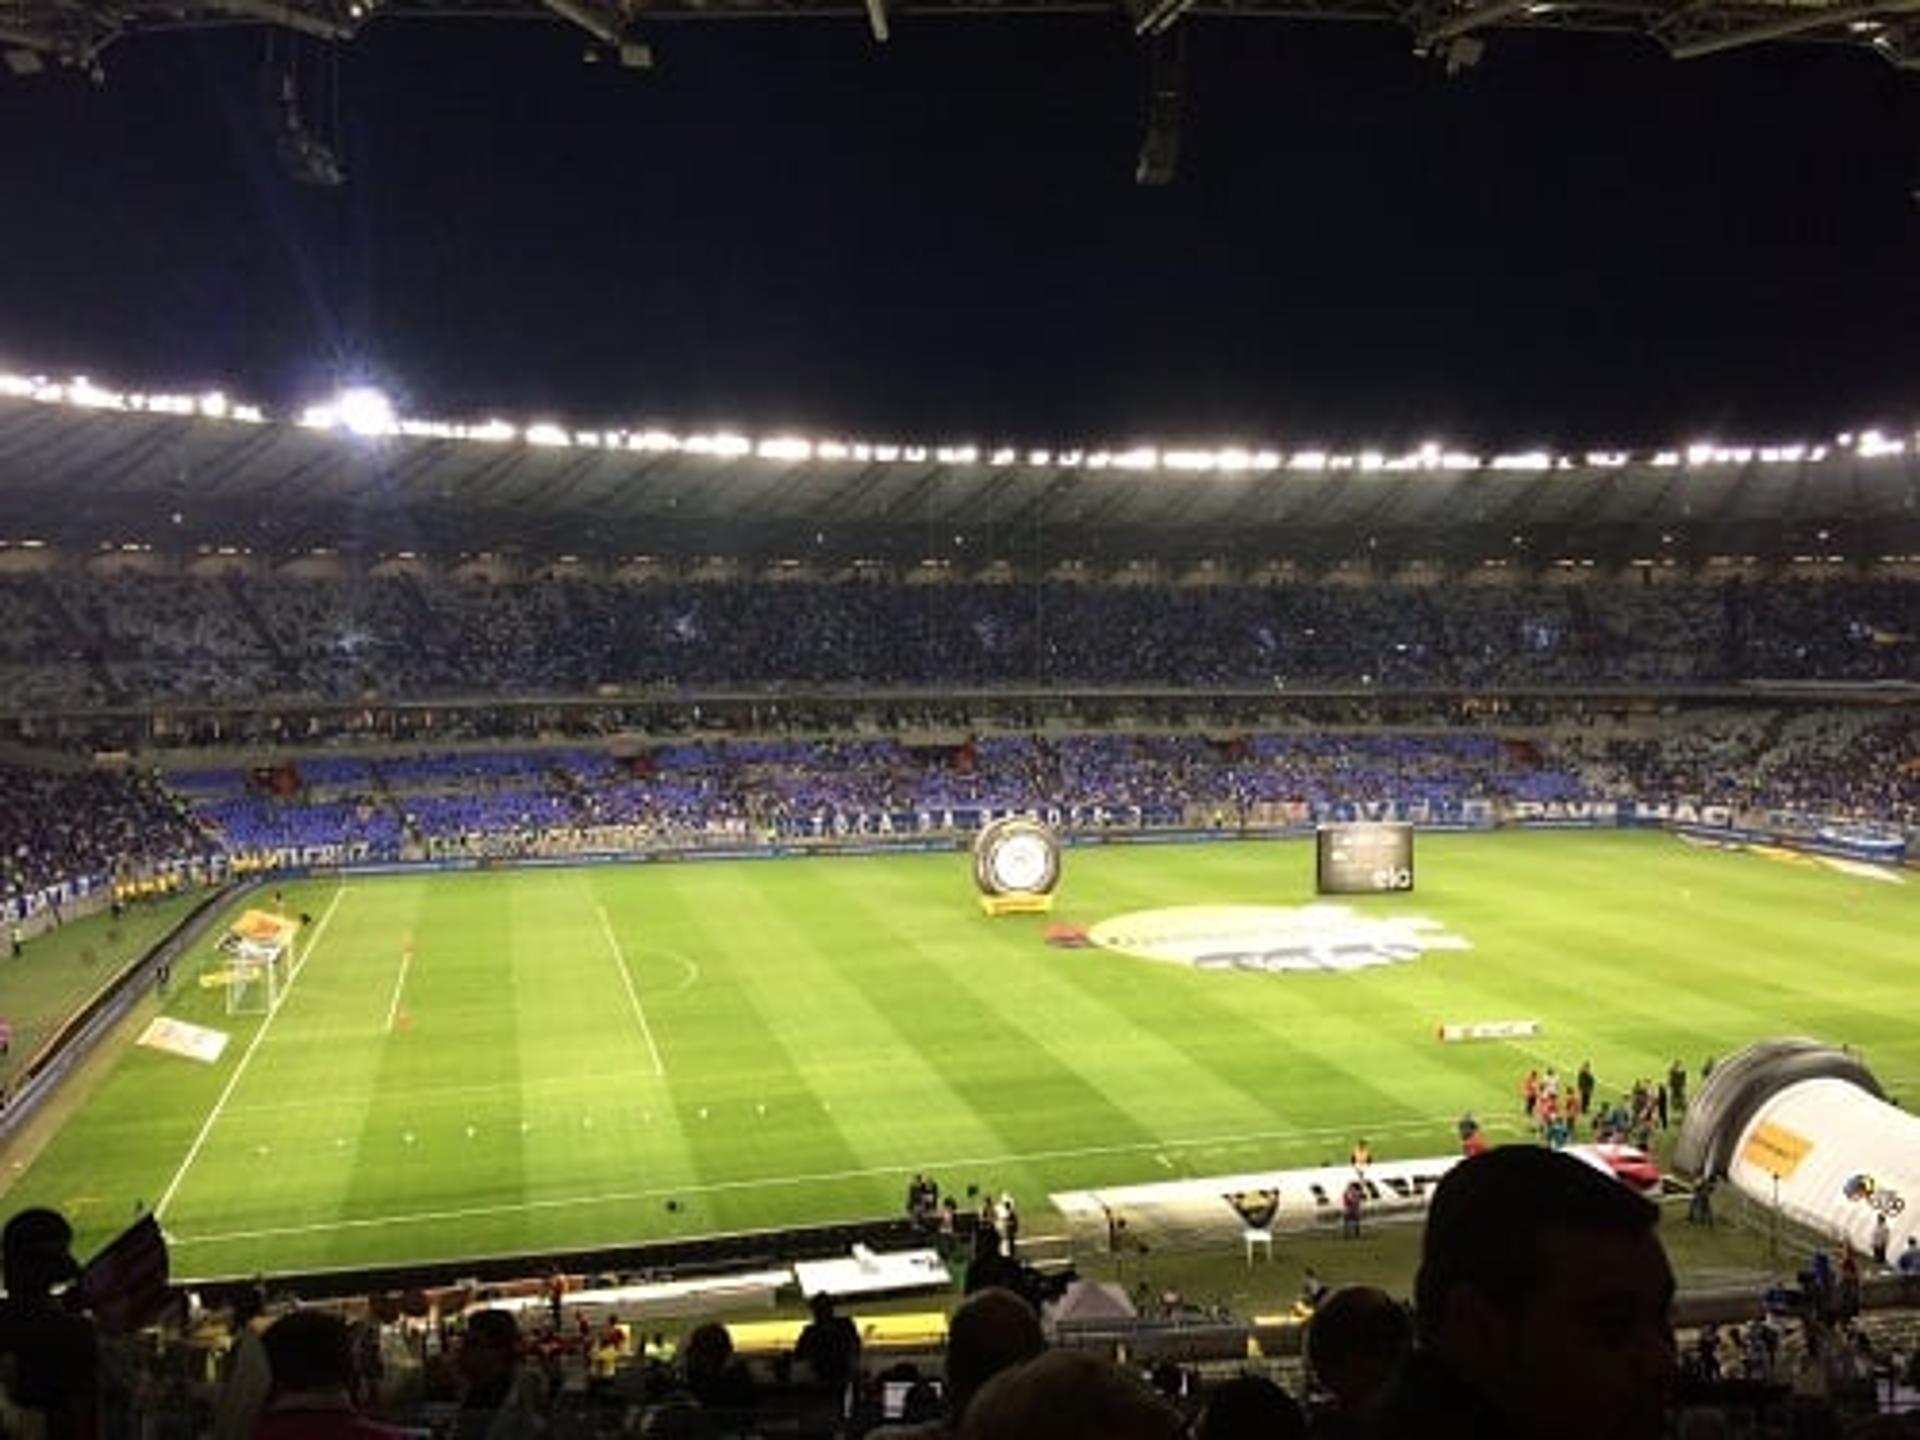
[[1365, 859]]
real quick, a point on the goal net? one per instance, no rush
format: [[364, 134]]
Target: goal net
[[256, 977], [259, 961]]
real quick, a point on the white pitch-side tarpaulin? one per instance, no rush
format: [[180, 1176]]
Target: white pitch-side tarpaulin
[[1841, 1156]]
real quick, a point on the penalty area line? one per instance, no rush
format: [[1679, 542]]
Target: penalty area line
[[233, 1080], [633, 996], [399, 984]]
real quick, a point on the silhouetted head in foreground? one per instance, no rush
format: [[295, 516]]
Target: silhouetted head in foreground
[[993, 1330], [1068, 1395], [38, 1253], [1250, 1407], [310, 1353], [1541, 1305], [1356, 1343]]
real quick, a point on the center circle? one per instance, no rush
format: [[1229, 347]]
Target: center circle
[[1273, 939]]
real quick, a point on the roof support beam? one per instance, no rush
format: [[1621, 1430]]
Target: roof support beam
[[1158, 16], [1785, 28], [291, 17], [1462, 22], [30, 40], [588, 18]]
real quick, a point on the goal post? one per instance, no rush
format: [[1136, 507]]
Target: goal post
[[257, 977], [258, 950]]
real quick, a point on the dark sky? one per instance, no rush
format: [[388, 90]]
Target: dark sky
[[1579, 241]]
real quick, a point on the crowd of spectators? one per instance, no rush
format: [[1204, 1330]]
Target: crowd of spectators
[[1840, 766], [1843, 768], [140, 638], [1542, 1310], [59, 825], [766, 788]]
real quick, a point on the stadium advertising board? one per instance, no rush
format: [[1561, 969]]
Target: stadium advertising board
[[835, 823], [1364, 859], [1835, 1158], [1287, 1200], [1468, 814], [1215, 1208]]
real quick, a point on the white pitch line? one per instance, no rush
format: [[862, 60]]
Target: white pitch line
[[639, 1011], [440, 1094], [399, 984], [514, 1207], [233, 1080]]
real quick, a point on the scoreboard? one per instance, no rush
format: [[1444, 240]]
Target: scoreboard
[[1364, 859]]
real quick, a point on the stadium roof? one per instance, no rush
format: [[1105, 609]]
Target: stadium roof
[[32, 31], [82, 467]]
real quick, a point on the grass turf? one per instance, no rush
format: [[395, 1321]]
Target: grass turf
[[62, 968], [824, 1028]]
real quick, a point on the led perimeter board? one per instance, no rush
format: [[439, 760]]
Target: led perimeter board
[[1364, 859]]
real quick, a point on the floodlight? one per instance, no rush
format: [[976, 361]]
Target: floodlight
[[363, 410]]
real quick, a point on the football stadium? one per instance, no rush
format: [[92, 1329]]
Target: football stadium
[[628, 886]]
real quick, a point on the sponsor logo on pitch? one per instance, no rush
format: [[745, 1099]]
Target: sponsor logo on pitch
[[1273, 939]]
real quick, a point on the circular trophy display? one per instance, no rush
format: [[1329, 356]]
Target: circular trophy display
[[1016, 857]]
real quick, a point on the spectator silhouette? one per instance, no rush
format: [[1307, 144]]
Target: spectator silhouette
[[494, 1404], [1356, 1342], [993, 1330], [713, 1372], [49, 1358], [1541, 1308], [829, 1346], [311, 1355], [1249, 1407], [1068, 1395], [247, 1377]]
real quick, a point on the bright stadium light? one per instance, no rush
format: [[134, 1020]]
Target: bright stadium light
[[785, 448], [1190, 460], [85, 395], [359, 410], [1524, 460]]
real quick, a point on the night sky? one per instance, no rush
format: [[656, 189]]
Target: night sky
[[1579, 241]]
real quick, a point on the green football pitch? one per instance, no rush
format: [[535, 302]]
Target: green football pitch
[[528, 1060]]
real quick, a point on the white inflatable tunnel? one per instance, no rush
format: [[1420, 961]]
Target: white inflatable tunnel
[[1842, 1157], [1805, 1125]]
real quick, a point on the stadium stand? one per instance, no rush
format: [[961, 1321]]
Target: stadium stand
[[71, 825], [58, 825], [76, 637], [259, 711]]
